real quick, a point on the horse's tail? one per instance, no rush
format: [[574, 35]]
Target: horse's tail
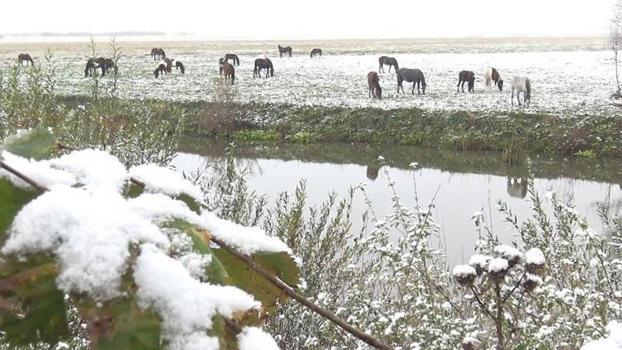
[[528, 88]]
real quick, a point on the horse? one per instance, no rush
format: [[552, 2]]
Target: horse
[[411, 75], [373, 82], [316, 52], [91, 67], [263, 63], [169, 64], [285, 50], [161, 70], [229, 72], [24, 57], [106, 64], [158, 53], [521, 84], [466, 77], [389, 61], [493, 75], [233, 57], [180, 67]]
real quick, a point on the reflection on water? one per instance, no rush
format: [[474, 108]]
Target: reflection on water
[[461, 192]]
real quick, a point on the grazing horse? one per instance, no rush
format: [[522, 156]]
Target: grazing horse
[[158, 53], [232, 57], [316, 53], [493, 75], [106, 64], [373, 82], [180, 67], [91, 68], [263, 63], [466, 76], [521, 84], [169, 65], [229, 72], [285, 51], [24, 57], [389, 61], [161, 70], [411, 75]]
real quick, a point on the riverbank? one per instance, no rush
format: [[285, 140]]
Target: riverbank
[[515, 134]]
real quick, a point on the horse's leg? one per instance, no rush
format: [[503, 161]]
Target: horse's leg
[[458, 89], [512, 98]]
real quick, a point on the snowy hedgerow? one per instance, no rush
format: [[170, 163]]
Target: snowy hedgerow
[[613, 341]]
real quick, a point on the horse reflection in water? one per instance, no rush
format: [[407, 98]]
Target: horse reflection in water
[[517, 187], [372, 172]]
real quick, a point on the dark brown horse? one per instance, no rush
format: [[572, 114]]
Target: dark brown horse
[[285, 51], [160, 71], [389, 61], [232, 57], [263, 63], [466, 76], [373, 82], [24, 57], [158, 53], [411, 75], [105, 64], [316, 53], [229, 71]]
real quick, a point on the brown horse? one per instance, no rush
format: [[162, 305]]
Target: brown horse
[[229, 71], [389, 61], [373, 81], [24, 57], [285, 51], [158, 53], [414, 76], [466, 77]]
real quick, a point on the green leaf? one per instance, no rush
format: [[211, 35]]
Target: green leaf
[[37, 144], [12, 200], [122, 324], [282, 265], [32, 309]]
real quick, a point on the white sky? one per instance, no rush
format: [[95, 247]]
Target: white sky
[[264, 19]]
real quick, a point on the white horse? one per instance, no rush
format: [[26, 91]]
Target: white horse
[[521, 84], [493, 75]]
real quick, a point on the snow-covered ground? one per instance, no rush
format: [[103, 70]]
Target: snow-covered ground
[[567, 82]]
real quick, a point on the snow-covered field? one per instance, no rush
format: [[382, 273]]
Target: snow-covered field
[[568, 82]]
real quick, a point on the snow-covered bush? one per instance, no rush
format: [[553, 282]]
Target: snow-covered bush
[[139, 260]]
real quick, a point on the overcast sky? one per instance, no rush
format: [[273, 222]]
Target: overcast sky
[[264, 19]]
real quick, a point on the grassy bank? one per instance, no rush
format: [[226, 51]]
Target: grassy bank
[[514, 134]]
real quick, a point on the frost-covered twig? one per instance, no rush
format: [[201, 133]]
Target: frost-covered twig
[[285, 288]]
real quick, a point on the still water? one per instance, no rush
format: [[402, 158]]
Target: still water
[[466, 182]]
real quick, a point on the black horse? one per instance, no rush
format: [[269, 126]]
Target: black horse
[[232, 57], [466, 76], [389, 61], [180, 67], [285, 51], [263, 63], [316, 53], [91, 68], [414, 76], [24, 57], [158, 53]]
